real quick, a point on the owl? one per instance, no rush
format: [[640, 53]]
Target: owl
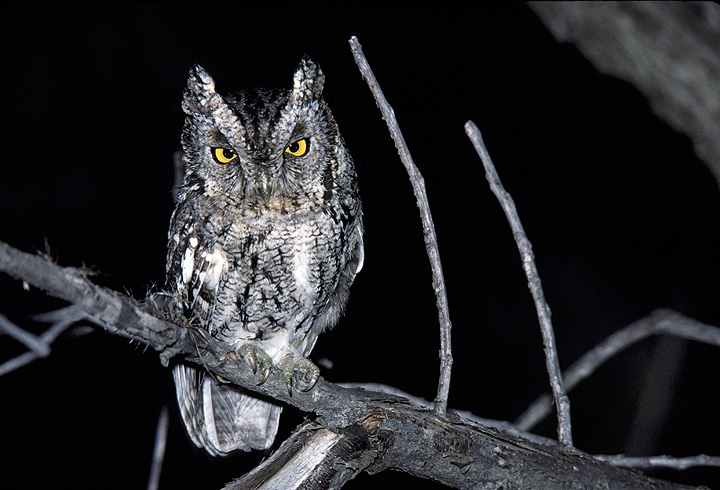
[[264, 243]]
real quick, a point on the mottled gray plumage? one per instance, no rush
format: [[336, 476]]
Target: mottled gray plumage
[[264, 244]]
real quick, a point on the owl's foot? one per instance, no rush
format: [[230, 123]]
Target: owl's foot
[[257, 359], [299, 372]]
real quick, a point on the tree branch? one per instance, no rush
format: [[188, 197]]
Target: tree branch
[[116, 313], [377, 431], [33, 343], [59, 325], [562, 402], [158, 449], [668, 50], [431, 244], [660, 461], [658, 322]]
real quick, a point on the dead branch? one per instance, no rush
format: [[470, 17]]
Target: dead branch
[[657, 323], [562, 402], [659, 461], [159, 449], [431, 243], [379, 431], [60, 323], [668, 50]]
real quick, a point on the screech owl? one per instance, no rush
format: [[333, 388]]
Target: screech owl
[[264, 243]]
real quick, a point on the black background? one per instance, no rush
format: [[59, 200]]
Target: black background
[[622, 216]]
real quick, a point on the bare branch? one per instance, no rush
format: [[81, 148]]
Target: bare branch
[[116, 313], [308, 459], [660, 461], [451, 450], [431, 245], [418, 401], [60, 323], [659, 322], [562, 402], [668, 50], [158, 449], [36, 345]]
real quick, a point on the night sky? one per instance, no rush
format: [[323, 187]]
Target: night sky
[[622, 215]]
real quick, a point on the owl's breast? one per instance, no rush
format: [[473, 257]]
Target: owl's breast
[[282, 269]]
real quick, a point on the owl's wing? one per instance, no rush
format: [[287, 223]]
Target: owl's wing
[[200, 271], [220, 417]]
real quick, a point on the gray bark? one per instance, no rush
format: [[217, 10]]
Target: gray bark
[[669, 50], [360, 430]]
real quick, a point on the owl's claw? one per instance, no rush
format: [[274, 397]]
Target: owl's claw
[[257, 359], [299, 372]]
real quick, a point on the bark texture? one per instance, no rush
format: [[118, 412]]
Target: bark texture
[[669, 50]]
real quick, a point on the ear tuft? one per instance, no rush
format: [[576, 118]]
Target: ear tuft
[[199, 94], [308, 81]]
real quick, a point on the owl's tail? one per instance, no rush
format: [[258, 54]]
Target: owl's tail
[[220, 417]]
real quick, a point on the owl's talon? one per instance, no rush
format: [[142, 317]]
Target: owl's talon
[[289, 382], [312, 379], [257, 359], [265, 375], [300, 373], [250, 359]]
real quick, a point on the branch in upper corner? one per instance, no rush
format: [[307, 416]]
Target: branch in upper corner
[[431, 245], [658, 322], [668, 50], [562, 402]]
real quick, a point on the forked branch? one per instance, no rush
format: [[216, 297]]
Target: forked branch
[[659, 322], [374, 431]]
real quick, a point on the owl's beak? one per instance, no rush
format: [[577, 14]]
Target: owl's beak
[[266, 186]]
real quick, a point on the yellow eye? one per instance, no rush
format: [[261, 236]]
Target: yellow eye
[[298, 148], [223, 155]]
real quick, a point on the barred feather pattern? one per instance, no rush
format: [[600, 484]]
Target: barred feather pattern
[[264, 243]]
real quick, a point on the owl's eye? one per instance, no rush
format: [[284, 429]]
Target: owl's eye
[[298, 148], [223, 155]]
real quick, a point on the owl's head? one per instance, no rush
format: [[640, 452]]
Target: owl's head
[[261, 146]]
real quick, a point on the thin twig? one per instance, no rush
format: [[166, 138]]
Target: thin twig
[[159, 449], [659, 461], [36, 345], [60, 324], [658, 322], [431, 245], [562, 402]]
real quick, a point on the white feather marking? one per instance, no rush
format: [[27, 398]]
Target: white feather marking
[[188, 261], [217, 264], [301, 266], [361, 253], [209, 412]]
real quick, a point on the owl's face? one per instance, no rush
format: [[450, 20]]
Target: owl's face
[[260, 147]]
